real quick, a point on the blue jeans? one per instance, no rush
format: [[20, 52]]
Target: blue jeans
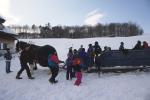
[[7, 66]]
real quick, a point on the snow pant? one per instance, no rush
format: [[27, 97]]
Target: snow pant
[[96, 61], [24, 67], [69, 73], [91, 61], [54, 71], [79, 77], [8, 66], [73, 72]]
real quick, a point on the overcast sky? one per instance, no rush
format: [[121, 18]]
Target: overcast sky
[[76, 12]]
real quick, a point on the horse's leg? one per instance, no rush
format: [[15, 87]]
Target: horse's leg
[[28, 71], [35, 66], [31, 67]]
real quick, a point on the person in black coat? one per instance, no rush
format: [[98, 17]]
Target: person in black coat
[[138, 46], [69, 73], [90, 53], [24, 58], [8, 58], [97, 49]]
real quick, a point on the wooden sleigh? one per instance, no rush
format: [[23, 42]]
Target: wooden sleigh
[[122, 61]]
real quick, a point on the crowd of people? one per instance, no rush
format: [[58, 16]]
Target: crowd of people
[[81, 60], [78, 60]]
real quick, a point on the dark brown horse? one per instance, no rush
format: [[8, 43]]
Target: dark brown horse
[[31, 53]]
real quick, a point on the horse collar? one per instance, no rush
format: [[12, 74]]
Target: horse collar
[[27, 48]]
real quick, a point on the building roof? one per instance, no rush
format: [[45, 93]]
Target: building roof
[[7, 30], [8, 36]]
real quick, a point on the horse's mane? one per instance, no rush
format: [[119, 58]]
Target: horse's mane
[[22, 45]]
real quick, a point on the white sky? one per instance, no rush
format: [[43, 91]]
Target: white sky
[[5, 12], [76, 12]]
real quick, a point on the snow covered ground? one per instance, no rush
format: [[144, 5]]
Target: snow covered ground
[[110, 86]]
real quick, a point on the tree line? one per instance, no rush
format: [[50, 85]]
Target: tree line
[[85, 31]]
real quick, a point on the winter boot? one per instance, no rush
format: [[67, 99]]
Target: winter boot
[[77, 83], [53, 81]]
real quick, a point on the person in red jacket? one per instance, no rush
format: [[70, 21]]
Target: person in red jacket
[[53, 62]]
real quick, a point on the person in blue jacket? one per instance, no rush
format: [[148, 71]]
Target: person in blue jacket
[[84, 57]]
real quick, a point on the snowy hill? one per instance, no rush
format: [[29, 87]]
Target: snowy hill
[[62, 45], [110, 86]]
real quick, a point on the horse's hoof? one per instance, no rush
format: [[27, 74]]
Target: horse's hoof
[[31, 78], [55, 81]]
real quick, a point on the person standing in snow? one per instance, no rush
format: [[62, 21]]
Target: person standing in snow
[[8, 58], [80, 49], [69, 73], [77, 67], [97, 49], [53, 62], [90, 53], [84, 58]]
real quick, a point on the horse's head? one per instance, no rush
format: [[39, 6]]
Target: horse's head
[[20, 45]]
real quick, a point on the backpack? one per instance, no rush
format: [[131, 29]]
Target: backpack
[[76, 61]]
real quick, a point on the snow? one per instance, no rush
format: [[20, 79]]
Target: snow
[[109, 86]]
